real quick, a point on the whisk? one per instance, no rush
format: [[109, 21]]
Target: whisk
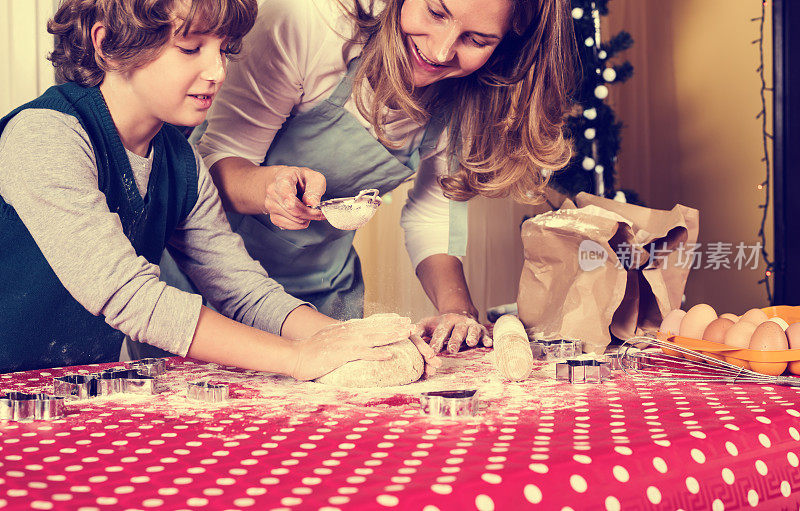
[[639, 362]]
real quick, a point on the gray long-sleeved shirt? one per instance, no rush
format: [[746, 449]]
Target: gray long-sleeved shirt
[[48, 174]]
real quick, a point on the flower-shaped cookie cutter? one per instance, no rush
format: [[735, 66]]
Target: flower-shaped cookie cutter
[[19, 406], [450, 403], [207, 392], [106, 383]]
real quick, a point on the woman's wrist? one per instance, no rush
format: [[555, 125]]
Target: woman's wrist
[[241, 184], [469, 311]]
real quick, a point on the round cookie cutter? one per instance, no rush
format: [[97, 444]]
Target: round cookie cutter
[[450, 403], [350, 213]]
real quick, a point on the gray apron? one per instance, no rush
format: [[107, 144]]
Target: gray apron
[[319, 264]]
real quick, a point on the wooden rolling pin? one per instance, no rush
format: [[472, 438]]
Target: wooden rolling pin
[[512, 349]]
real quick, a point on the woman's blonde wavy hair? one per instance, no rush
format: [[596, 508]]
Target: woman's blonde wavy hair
[[136, 32], [506, 120]]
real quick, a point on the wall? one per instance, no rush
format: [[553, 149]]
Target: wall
[[492, 265], [24, 42], [691, 132]]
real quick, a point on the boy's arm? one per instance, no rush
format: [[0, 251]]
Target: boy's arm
[[216, 261], [48, 174], [221, 340]]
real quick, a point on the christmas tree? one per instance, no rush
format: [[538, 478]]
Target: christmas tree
[[594, 129]]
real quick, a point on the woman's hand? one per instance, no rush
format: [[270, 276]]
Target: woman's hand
[[432, 361], [454, 329], [284, 186], [338, 344]]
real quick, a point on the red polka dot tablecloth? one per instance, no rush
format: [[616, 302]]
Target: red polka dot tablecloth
[[280, 444]]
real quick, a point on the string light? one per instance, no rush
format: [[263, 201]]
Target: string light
[[766, 138]]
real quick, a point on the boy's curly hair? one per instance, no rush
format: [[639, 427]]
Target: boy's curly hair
[[136, 32]]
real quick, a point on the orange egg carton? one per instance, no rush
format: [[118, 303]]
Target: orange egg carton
[[772, 363]]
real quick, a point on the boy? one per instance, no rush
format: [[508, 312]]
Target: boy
[[95, 183]]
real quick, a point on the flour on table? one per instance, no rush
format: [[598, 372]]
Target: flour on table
[[272, 397]]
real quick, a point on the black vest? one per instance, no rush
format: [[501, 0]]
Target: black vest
[[41, 324]]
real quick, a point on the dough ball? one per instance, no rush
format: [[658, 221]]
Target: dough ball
[[405, 366]]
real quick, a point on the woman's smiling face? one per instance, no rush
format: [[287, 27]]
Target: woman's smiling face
[[451, 38]]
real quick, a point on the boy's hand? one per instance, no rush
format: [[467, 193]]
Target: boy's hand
[[281, 202], [338, 344]]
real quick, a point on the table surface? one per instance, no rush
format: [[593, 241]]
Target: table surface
[[278, 443]]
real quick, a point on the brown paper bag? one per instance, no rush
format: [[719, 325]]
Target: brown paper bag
[[598, 266]]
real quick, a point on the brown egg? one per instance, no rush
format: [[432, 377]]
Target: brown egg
[[732, 317], [768, 336], [672, 322], [793, 333], [739, 334], [696, 320], [780, 322], [715, 331], [755, 316]]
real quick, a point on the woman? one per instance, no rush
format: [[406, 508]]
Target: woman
[[329, 99]]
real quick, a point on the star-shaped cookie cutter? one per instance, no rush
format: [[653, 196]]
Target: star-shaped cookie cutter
[[20, 406]]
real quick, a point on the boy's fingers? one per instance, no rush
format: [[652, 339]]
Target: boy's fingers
[[373, 354]]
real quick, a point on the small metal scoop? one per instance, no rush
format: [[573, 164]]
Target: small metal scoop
[[350, 213]]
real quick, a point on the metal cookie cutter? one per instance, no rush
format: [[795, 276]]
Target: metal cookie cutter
[[557, 349], [207, 392], [126, 381], [636, 361], [19, 406], [614, 361], [149, 366], [105, 383], [75, 386], [583, 371], [449, 403]]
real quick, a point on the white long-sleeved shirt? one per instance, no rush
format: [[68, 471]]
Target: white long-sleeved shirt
[[295, 56]]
